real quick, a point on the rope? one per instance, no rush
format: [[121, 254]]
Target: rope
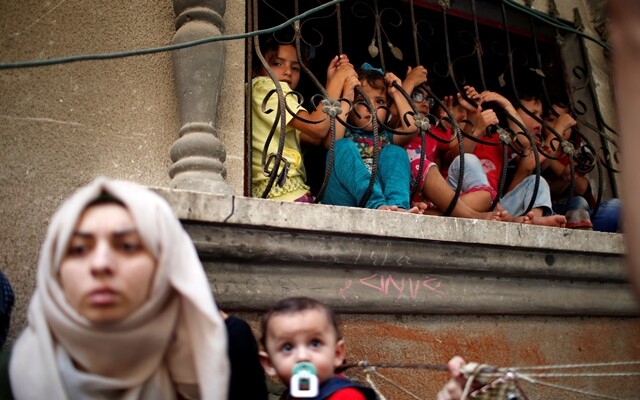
[[482, 373], [567, 366], [473, 376], [373, 385], [586, 374], [365, 364], [373, 370], [567, 388], [131, 53], [556, 23]]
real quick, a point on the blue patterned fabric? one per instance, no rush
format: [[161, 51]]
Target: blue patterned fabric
[[349, 178]]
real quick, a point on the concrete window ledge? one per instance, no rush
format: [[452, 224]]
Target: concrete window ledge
[[257, 251]]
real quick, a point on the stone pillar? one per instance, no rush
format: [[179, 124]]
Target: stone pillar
[[198, 155]]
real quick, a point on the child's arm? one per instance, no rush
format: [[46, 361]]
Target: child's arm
[[414, 78], [472, 112], [315, 132], [334, 64], [526, 164], [488, 96], [481, 119], [348, 93], [562, 125], [403, 108]]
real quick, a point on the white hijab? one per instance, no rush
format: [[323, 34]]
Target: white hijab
[[176, 338]]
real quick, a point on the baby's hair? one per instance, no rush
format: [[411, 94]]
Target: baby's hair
[[292, 305]]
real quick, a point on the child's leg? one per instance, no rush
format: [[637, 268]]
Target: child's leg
[[607, 217], [349, 179], [440, 193], [476, 191], [394, 175], [517, 200]]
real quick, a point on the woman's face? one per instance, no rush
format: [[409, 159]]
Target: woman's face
[[106, 273]]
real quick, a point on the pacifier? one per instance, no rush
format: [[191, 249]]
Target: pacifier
[[304, 381]]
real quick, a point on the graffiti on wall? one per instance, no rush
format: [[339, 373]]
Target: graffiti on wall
[[397, 287]]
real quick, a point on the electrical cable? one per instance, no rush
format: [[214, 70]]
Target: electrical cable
[[140, 52]]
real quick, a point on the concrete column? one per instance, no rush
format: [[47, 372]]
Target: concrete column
[[198, 155]]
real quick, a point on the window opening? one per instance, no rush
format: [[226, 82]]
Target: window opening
[[490, 45]]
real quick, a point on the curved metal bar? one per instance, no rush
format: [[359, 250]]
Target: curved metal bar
[[521, 106], [332, 129], [599, 194], [456, 130], [376, 146], [479, 52], [414, 31], [339, 22], [606, 162], [272, 174], [458, 190], [283, 107], [317, 31], [450, 71], [579, 109], [332, 142], [379, 34], [557, 136], [423, 124]]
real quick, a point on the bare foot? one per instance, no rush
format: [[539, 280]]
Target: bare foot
[[501, 215], [412, 210], [558, 221], [506, 217], [495, 215], [422, 206]]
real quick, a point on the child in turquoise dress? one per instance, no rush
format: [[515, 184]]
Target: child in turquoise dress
[[354, 148]]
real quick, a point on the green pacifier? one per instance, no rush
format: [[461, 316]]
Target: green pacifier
[[304, 380]]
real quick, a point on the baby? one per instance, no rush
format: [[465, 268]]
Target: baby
[[300, 331]]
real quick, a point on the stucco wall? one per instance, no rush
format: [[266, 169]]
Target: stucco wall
[[496, 341], [231, 107], [61, 126]]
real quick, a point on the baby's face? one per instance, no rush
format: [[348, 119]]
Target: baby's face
[[303, 336], [378, 98]]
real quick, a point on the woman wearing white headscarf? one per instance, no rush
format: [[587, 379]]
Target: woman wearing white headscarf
[[122, 307]]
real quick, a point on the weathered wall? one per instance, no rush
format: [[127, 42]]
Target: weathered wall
[[63, 125], [421, 289], [497, 341], [60, 126]]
